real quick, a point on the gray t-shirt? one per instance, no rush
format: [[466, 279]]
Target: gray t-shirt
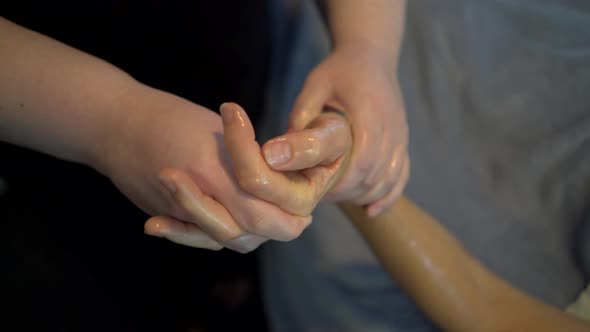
[[499, 113]]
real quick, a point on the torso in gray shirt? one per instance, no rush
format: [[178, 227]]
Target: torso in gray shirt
[[498, 101]]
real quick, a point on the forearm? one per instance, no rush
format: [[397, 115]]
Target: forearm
[[376, 24], [56, 99], [445, 281]]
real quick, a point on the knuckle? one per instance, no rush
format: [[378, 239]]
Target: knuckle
[[288, 231], [229, 233], [301, 204], [294, 229]]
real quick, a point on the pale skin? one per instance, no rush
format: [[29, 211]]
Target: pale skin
[[63, 102], [302, 189], [358, 78], [449, 284], [454, 289], [66, 103]]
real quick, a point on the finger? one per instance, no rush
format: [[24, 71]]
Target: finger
[[290, 191], [210, 216], [326, 139], [270, 221], [180, 232], [254, 215], [188, 234], [325, 177], [388, 151], [387, 201], [370, 139], [309, 103], [384, 183], [362, 156]]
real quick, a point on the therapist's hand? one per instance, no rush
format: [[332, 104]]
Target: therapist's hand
[[168, 156], [361, 82], [296, 193]]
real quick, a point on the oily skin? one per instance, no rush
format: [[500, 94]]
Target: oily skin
[[359, 78], [452, 287], [203, 193], [445, 281], [362, 83], [297, 192], [71, 105], [165, 153]]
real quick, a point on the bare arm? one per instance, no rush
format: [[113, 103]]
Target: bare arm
[[373, 23], [359, 78], [446, 282], [71, 105], [449, 284], [54, 98]]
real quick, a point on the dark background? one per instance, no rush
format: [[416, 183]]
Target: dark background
[[73, 254]]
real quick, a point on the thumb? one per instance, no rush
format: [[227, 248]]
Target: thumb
[[309, 103], [325, 140]]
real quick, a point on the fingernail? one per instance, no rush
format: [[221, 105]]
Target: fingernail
[[227, 116], [169, 184], [277, 153]]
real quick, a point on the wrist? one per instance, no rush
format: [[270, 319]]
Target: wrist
[[384, 50], [371, 53], [118, 123], [141, 121], [375, 24]]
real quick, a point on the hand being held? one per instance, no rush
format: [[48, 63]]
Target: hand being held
[[205, 179], [168, 156], [361, 82], [296, 192]]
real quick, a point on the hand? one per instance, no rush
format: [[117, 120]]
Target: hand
[[294, 192], [360, 81], [167, 155]]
